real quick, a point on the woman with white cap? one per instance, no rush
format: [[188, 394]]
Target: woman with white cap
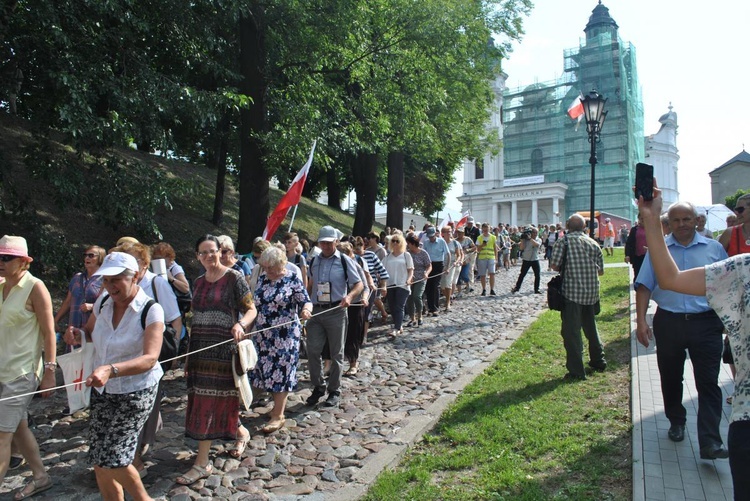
[[27, 358], [126, 328]]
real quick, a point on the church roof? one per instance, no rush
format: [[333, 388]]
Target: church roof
[[668, 117], [743, 157], [600, 17]]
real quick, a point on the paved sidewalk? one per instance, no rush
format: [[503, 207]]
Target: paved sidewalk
[[662, 469]]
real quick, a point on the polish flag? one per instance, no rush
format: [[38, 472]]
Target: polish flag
[[575, 110], [289, 200], [445, 221], [464, 217]]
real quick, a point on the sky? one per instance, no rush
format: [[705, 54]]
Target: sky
[[690, 54]]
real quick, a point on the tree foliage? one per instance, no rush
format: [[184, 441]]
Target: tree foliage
[[245, 87], [731, 200]]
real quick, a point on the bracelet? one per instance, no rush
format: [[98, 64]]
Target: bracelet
[[52, 366], [241, 325]]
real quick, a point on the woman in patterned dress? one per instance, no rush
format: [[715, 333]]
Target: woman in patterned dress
[[281, 300], [220, 297]]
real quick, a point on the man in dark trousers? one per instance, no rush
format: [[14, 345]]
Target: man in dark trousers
[[685, 322], [583, 266], [333, 284]]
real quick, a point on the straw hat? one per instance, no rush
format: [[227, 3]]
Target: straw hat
[[14, 246]]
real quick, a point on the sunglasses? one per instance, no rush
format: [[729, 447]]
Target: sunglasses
[[739, 210], [89, 255], [224, 252], [5, 258]]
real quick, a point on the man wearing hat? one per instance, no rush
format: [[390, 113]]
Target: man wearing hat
[[27, 358], [439, 254], [472, 231], [333, 284], [609, 237]]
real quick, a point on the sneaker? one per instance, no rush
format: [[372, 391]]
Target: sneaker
[[484, 292], [492, 292], [314, 397], [332, 401]]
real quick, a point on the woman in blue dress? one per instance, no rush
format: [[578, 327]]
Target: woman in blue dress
[[282, 301]]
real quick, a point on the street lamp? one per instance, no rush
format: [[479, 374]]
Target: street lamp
[[593, 109]]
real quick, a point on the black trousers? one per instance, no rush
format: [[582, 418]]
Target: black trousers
[[525, 265], [700, 336], [432, 290]]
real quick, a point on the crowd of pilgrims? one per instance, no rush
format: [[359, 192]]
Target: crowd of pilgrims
[[126, 299]]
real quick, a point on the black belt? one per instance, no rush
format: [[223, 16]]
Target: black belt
[[692, 316], [326, 306]]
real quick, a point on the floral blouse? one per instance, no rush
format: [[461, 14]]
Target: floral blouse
[[728, 293]]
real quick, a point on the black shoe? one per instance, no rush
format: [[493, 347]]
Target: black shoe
[[492, 292], [419, 323], [537, 292], [573, 377], [484, 292], [598, 366], [714, 452], [332, 400], [676, 433], [315, 396], [16, 462], [514, 290]]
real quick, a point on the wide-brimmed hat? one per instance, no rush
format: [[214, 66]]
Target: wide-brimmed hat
[[328, 234], [115, 263], [14, 246]]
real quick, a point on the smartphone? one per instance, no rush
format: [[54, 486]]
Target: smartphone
[[644, 181]]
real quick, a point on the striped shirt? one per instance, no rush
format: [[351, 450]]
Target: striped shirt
[[375, 266], [582, 264]]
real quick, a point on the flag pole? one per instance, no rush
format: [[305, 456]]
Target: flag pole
[[292, 221]]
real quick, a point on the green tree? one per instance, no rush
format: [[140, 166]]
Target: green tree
[[731, 200]]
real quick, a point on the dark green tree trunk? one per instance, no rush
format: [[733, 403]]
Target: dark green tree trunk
[[334, 189], [365, 177], [254, 191], [218, 160], [395, 213]]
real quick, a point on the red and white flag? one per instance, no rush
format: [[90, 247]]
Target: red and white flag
[[445, 221], [290, 199], [575, 110], [464, 217]]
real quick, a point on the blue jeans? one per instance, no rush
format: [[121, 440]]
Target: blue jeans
[[397, 297], [701, 337]]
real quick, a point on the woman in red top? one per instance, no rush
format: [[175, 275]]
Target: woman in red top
[[736, 239]]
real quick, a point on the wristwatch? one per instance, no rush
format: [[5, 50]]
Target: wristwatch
[[115, 370]]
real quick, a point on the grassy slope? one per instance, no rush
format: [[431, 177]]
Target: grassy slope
[[189, 218]]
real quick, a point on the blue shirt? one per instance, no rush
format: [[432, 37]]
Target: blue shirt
[[697, 254], [330, 269], [437, 250]]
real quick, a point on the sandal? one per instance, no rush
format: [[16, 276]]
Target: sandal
[[352, 371], [200, 473], [239, 447], [36, 488], [274, 425]]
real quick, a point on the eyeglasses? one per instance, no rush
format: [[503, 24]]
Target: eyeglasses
[[89, 255], [210, 252], [739, 209], [5, 258]]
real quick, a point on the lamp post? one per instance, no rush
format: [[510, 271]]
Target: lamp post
[[593, 109]]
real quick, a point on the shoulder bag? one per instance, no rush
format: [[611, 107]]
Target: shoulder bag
[[555, 299]]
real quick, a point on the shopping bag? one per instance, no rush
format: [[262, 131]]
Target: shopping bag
[[76, 367]]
